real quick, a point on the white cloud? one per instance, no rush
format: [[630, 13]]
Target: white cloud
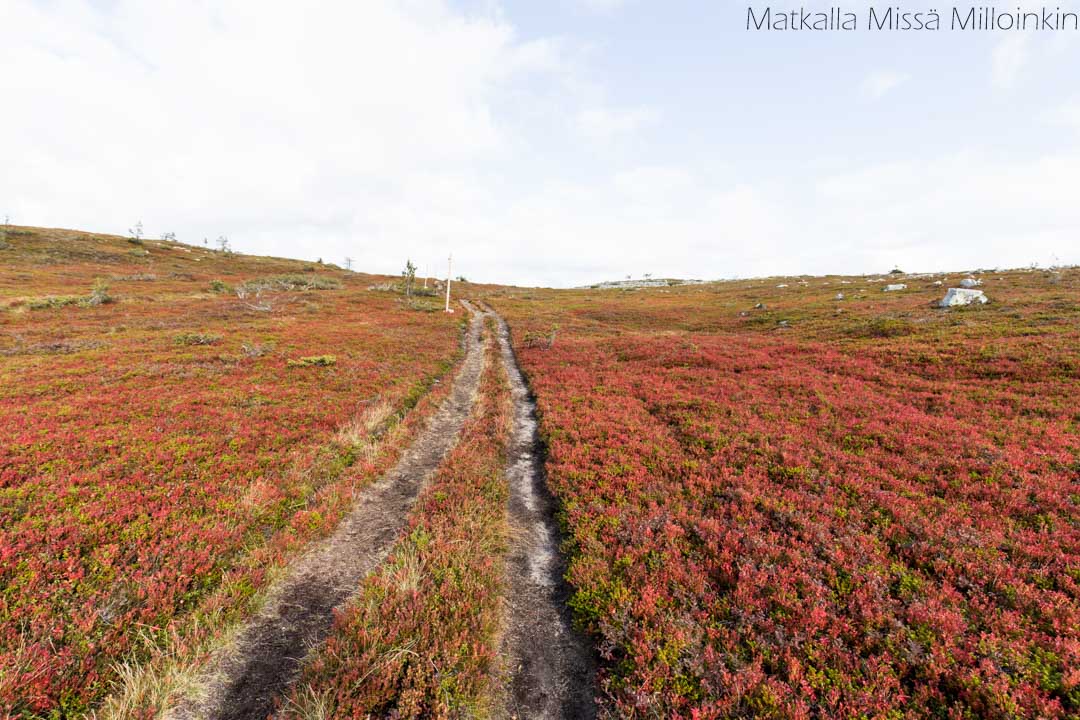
[[1010, 55], [605, 124], [651, 182], [1067, 114], [388, 129], [237, 116], [603, 6], [878, 84]]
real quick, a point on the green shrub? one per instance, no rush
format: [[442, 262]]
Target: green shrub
[[289, 282], [99, 295], [255, 350], [52, 301], [313, 361], [305, 282], [196, 339]]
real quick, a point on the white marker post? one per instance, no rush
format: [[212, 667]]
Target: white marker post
[[448, 261]]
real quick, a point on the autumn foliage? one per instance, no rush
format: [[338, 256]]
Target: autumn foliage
[[814, 519], [158, 453], [420, 640]]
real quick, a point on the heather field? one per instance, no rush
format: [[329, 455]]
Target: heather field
[[783, 503], [235, 487], [175, 422]]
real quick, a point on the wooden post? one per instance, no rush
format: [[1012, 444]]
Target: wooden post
[[448, 262]]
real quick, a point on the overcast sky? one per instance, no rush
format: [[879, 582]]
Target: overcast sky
[[557, 143]]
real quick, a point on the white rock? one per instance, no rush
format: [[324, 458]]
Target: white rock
[[782, 285], [839, 296], [894, 288], [963, 296], [938, 283], [970, 283]]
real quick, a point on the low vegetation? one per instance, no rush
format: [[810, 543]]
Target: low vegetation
[[314, 361], [420, 641], [157, 464], [864, 513], [780, 498]]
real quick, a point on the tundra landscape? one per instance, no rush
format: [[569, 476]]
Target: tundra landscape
[[240, 487]]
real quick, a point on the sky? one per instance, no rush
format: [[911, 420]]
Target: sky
[[553, 143]]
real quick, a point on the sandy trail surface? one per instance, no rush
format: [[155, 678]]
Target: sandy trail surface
[[549, 668]]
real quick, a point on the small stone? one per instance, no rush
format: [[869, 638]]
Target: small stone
[[894, 288]]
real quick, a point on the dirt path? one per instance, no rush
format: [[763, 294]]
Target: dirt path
[[549, 667], [243, 680]]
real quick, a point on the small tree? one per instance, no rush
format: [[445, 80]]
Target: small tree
[[348, 263], [223, 244], [100, 294], [168, 236], [409, 273], [135, 234], [4, 232]]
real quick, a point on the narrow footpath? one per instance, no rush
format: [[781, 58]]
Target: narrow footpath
[[549, 668]]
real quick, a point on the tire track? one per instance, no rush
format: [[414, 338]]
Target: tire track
[[243, 680], [549, 668]]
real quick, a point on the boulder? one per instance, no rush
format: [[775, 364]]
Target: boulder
[[963, 296], [970, 283], [839, 296], [895, 288]]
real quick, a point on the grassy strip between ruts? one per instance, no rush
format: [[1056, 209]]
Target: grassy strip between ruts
[[421, 638]]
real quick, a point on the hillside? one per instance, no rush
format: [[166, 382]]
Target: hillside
[[812, 497], [176, 423], [232, 486]]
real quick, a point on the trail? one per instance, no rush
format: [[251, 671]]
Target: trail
[[243, 680], [550, 669]]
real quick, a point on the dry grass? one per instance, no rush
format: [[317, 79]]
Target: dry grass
[[312, 705], [365, 433]]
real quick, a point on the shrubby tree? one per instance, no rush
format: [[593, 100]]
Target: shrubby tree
[[409, 273], [135, 234]]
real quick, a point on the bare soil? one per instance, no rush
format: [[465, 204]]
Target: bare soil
[[549, 668], [243, 680]]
